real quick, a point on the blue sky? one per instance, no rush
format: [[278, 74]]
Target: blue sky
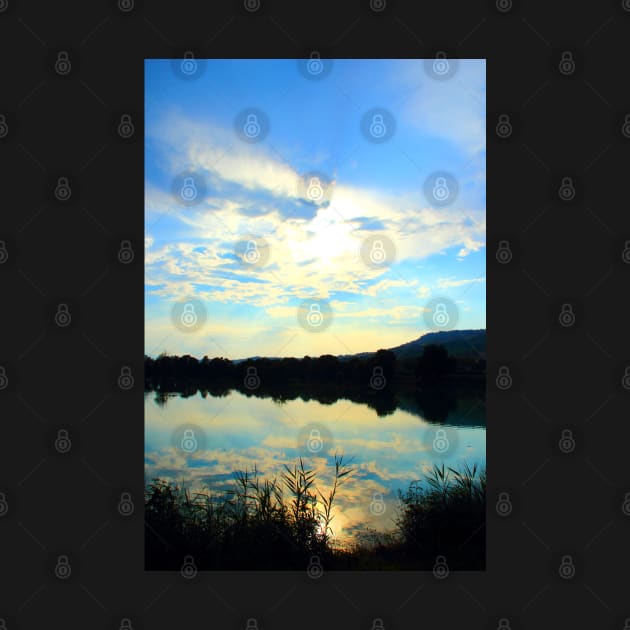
[[312, 249]]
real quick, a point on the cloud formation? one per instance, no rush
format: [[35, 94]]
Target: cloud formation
[[314, 248]]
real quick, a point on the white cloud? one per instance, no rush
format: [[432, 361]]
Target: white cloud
[[190, 251], [447, 283]]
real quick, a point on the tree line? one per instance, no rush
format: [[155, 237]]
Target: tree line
[[377, 370]]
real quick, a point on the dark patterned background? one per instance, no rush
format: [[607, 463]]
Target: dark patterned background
[[558, 518]]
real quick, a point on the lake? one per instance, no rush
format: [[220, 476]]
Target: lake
[[203, 439]]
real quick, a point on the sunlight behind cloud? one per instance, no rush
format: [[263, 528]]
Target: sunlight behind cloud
[[314, 249]]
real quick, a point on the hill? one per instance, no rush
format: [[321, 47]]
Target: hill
[[459, 343]]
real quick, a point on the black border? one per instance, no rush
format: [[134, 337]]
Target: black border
[[563, 504]]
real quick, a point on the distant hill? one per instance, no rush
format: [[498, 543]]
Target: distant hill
[[459, 343]]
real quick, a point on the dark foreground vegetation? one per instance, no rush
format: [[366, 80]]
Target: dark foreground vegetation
[[283, 523]]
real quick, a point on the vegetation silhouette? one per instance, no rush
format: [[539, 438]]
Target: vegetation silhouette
[[272, 524], [428, 386]]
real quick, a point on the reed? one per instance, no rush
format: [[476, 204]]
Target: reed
[[280, 523]]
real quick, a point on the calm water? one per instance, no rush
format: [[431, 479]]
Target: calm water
[[203, 440]]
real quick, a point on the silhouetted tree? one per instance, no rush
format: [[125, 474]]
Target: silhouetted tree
[[386, 360], [434, 363], [326, 378]]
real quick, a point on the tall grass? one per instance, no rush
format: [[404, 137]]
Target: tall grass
[[259, 523], [444, 513], [280, 523]]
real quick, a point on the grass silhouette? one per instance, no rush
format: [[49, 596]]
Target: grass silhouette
[[281, 523]]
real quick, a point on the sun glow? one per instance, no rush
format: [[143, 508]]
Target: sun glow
[[331, 237]]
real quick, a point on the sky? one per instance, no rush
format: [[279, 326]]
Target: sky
[[310, 208]]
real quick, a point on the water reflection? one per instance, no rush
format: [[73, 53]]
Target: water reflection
[[391, 437], [462, 406]]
